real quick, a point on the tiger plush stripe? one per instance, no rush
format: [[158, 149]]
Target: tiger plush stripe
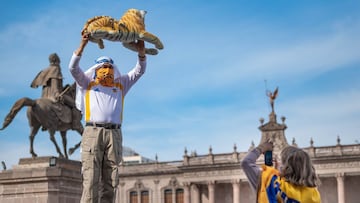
[[128, 29]]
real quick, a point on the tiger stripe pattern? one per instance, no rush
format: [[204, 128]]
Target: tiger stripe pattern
[[130, 28]]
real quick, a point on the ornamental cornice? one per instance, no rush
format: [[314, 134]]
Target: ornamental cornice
[[272, 126], [214, 174], [339, 165]]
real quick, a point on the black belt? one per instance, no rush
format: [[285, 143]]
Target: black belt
[[104, 125]]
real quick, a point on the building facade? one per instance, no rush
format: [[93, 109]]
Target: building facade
[[218, 178], [132, 157]]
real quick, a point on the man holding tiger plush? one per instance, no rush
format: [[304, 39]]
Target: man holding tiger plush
[[100, 98]]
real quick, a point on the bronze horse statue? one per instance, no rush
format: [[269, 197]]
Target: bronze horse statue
[[50, 115]]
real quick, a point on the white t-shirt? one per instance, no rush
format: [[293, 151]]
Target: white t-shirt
[[98, 103]]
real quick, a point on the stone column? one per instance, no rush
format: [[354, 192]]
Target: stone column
[[138, 195], [236, 191], [340, 187], [173, 195], [187, 193], [157, 193], [121, 196], [211, 188], [195, 194]]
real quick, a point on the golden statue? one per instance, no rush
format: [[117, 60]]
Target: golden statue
[[272, 96]]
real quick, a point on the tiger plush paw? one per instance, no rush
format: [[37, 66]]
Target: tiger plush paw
[[133, 47]]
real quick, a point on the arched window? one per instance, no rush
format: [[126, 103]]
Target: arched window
[[174, 194], [144, 196], [139, 193], [179, 195], [168, 196], [133, 197]]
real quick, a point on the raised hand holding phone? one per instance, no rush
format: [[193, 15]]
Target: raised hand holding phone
[[266, 149], [268, 158]]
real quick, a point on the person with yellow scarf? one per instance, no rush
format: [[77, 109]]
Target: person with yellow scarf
[[294, 182]]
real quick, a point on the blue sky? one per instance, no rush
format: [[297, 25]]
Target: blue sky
[[207, 87]]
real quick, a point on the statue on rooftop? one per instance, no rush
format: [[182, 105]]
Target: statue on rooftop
[[272, 96]]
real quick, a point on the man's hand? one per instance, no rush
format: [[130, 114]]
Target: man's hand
[[83, 43], [140, 45]]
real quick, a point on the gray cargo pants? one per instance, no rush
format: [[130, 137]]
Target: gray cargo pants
[[101, 153]]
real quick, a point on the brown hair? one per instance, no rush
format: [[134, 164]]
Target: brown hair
[[297, 167]]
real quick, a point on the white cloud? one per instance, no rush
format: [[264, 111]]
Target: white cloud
[[324, 117], [290, 60]]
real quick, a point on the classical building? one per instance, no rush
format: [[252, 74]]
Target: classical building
[[218, 178], [208, 178]]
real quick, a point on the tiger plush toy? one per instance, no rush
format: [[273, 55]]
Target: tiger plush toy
[[128, 29]]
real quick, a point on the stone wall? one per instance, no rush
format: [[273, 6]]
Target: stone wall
[[35, 180]]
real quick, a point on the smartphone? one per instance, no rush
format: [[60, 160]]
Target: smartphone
[[268, 158]]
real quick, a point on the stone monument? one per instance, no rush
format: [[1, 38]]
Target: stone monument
[[47, 178]]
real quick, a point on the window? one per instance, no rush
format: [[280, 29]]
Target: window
[[144, 196], [133, 197], [179, 196], [168, 196]]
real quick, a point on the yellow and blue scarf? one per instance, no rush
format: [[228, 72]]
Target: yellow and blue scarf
[[273, 189]]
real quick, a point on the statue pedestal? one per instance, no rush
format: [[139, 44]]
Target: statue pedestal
[[42, 179]]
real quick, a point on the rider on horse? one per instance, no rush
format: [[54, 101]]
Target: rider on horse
[[51, 80]]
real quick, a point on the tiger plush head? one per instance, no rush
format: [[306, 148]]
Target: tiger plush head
[[130, 28], [136, 17]]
